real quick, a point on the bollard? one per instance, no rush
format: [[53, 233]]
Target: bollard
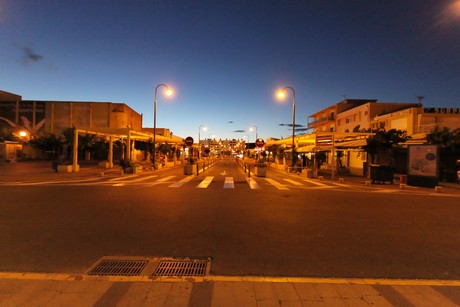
[[102, 174], [122, 172], [402, 186], [367, 183], [438, 189], [321, 178], [341, 180]]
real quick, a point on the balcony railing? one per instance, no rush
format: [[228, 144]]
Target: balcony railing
[[321, 120]]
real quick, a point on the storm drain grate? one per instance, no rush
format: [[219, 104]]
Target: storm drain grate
[[181, 268], [118, 268]]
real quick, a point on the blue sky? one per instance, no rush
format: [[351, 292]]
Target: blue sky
[[225, 59]]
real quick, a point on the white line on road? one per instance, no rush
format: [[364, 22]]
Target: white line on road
[[277, 185], [314, 182], [164, 179], [143, 178], [293, 182], [207, 181], [229, 184], [181, 182], [253, 184]]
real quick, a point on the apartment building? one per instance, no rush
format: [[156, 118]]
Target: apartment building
[[419, 120], [353, 115]]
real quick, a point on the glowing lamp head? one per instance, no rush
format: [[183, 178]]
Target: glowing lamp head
[[22, 134], [281, 94], [168, 92]]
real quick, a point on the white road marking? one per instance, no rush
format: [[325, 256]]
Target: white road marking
[[207, 181], [161, 180], [314, 182], [277, 185], [253, 184], [181, 182], [229, 184], [143, 178], [293, 182]]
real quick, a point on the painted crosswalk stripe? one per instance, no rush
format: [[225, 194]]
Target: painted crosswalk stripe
[[253, 184], [164, 179], [143, 178], [314, 182], [229, 184], [126, 182], [181, 182], [293, 182], [207, 181], [277, 185]]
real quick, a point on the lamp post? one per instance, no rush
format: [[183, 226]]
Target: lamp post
[[199, 136], [281, 95], [257, 131], [168, 92], [199, 132]]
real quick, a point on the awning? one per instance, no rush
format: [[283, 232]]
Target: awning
[[309, 148], [352, 144]]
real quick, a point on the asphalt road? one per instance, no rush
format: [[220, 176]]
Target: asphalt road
[[302, 230]]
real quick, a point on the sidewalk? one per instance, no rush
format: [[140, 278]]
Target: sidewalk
[[452, 188], [17, 289]]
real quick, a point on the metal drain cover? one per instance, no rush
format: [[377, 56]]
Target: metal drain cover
[[118, 268], [181, 268], [153, 267]]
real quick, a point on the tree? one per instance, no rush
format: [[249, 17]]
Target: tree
[[448, 143], [383, 144], [447, 140], [47, 142]]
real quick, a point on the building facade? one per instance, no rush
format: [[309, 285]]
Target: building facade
[[41, 117], [353, 115]]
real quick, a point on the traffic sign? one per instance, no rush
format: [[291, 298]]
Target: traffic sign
[[189, 141], [260, 142]]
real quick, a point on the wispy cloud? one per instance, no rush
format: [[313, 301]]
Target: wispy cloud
[[239, 131], [29, 55], [290, 125]]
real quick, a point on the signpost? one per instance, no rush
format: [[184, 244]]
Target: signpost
[[189, 141], [188, 168], [260, 142]]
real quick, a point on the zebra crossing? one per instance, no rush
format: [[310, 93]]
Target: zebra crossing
[[177, 181]]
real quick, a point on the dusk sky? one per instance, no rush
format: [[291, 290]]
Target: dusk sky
[[226, 59]]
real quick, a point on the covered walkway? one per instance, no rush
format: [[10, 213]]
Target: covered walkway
[[117, 134]]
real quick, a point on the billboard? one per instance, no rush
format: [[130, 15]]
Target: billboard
[[423, 160]]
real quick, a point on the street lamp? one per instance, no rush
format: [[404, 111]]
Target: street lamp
[[281, 95], [257, 131], [199, 131], [167, 92], [199, 136]]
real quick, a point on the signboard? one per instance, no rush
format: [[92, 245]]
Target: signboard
[[423, 160], [260, 142], [189, 141], [423, 165]]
